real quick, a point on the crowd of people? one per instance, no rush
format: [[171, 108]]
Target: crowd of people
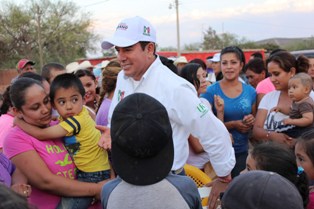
[[74, 137]]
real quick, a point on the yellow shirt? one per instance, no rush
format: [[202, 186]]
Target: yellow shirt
[[82, 143]]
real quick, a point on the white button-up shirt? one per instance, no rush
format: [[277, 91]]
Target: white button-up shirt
[[186, 112]]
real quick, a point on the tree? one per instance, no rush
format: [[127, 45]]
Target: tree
[[44, 31], [211, 40], [228, 39], [192, 47]]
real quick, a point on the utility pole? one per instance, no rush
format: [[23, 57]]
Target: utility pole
[[39, 14], [178, 29], [178, 26]]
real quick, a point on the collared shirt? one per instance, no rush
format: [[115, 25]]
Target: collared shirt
[[186, 112]]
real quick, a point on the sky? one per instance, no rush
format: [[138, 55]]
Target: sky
[[251, 19]]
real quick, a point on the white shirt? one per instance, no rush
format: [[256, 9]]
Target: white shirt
[[186, 112], [273, 121]]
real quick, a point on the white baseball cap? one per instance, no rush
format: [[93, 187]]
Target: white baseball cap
[[216, 58], [131, 31]]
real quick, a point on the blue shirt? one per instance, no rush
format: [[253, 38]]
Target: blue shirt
[[235, 109]]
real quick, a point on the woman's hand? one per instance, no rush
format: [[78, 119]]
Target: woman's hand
[[248, 120], [100, 185], [282, 138], [240, 126], [23, 189]]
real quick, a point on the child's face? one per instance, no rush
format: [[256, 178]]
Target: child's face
[[68, 102], [304, 161], [250, 164], [296, 90]]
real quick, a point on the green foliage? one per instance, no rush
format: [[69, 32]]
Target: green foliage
[[301, 44], [44, 31], [269, 46], [214, 41], [192, 47], [170, 48], [211, 40]]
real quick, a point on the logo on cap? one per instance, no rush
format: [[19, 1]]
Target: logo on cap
[[122, 26], [146, 31]]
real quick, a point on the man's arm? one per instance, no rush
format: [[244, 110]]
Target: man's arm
[[212, 134]]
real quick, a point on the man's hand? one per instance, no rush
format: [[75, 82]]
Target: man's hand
[[105, 139], [214, 196]]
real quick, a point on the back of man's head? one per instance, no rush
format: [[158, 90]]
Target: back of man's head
[[142, 146], [261, 190]]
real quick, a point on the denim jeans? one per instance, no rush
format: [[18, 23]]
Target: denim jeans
[[83, 202]]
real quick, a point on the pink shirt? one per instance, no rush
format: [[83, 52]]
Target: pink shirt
[[6, 123], [265, 86], [310, 205], [52, 153]]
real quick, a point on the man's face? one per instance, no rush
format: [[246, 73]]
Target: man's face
[[216, 67], [27, 68], [134, 60]]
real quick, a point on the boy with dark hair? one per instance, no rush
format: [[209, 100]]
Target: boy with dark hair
[[142, 155], [79, 132]]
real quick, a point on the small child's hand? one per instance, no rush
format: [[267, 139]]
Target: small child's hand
[[219, 103], [287, 121]]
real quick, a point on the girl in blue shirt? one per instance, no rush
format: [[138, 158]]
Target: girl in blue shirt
[[239, 103]]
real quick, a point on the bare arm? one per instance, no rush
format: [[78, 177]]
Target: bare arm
[[306, 120], [259, 98], [195, 144], [51, 132], [260, 134], [19, 183], [39, 176]]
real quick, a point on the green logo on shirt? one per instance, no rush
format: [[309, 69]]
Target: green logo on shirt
[[202, 109], [65, 162]]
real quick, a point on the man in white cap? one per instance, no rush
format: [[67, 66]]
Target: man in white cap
[[143, 72], [216, 66]]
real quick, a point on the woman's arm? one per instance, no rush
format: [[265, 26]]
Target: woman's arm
[[19, 183], [259, 98], [52, 132], [260, 134], [39, 176]]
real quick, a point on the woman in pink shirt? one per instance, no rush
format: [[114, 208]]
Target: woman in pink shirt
[[6, 118], [46, 164]]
